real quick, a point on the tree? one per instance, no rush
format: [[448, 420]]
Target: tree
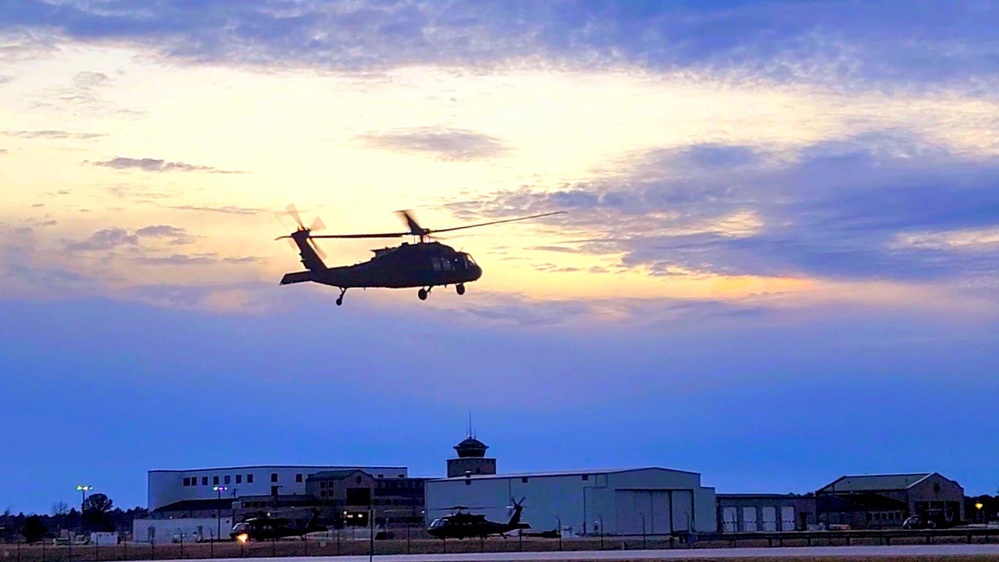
[[60, 508], [96, 515], [98, 502], [34, 529]]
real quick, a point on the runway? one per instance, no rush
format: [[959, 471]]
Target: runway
[[844, 552]]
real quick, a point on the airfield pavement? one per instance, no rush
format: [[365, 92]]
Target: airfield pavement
[[900, 553]]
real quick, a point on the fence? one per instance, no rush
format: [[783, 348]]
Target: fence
[[342, 544]]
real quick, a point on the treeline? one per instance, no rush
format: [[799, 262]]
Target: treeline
[[98, 515]]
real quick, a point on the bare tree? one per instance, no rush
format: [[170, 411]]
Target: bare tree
[[60, 508]]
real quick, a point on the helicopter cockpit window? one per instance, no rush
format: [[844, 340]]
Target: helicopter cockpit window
[[468, 258], [437, 523]]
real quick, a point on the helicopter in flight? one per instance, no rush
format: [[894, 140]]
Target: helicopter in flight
[[425, 264], [262, 526], [461, 525]]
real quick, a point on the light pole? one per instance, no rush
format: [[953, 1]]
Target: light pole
[[559, 519], [979, 507], [83, 489], [218, 510]]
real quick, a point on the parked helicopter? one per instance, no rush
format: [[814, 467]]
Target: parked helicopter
[[460, 525], [264, 527], [425, 264]]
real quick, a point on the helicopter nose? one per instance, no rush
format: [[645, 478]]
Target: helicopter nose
[[476, 272]]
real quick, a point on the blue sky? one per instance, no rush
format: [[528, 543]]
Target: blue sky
[[778, 264]]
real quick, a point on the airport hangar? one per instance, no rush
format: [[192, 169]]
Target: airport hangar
[[653, 501]]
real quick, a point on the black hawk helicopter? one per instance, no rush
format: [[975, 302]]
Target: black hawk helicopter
[[425, 264], [262, 526], [460, 525]]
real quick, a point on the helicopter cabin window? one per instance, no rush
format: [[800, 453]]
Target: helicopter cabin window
[[436, 263], [446, 264]]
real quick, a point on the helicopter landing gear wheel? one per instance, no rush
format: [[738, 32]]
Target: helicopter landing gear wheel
[[460, 288], [339, 300], [423, 294]]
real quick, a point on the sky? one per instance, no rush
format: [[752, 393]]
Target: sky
[[777, 263]]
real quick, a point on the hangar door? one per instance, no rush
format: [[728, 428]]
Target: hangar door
[[656, 512]]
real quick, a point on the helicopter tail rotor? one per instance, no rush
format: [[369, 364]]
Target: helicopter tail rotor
[[312, 254]]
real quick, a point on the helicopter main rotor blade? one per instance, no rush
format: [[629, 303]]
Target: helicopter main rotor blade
[[293, 211], [414, 227], [375, 235], [452, 229]]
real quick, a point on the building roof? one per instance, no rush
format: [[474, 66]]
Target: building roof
[[868, 501], [875, 482], [277, 466], [334, 474], [197, 505], [471, 448], [556, 473]]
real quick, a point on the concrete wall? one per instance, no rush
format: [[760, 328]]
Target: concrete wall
[[934, 489], [167, 486], [176, 530], [739, 513]]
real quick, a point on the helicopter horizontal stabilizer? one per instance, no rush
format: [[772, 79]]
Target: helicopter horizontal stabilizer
[[297, 277]]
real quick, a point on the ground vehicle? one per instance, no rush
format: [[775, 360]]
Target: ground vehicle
[[918, 522]]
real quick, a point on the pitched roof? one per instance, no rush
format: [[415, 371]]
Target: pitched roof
[[874, 482]]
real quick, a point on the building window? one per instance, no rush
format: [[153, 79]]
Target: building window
[[187, 481], [227, 477], [523, 480], [249, 479], [239, 478], [274, 477], [204, 480], [215, 480], [298, 478], [322, 484], [586, 477], [274, 490], [468, 482], [322, 494]]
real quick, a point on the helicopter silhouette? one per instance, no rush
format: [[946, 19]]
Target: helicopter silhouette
[[461, 525], [262, 526], [424, 264]]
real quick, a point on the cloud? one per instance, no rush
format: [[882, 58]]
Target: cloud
[[225, 210], [3, 151], [447, 144], [840, 210], [105, 239], [5, 79], [176, 236], [157, 165], [111, 238], [53, 135], [875, 42], [194, 259]]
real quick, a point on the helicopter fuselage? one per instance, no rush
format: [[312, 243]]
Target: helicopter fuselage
[[425, 265]]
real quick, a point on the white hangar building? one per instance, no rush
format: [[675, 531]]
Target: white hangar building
[[661, 501], [176, 487]]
